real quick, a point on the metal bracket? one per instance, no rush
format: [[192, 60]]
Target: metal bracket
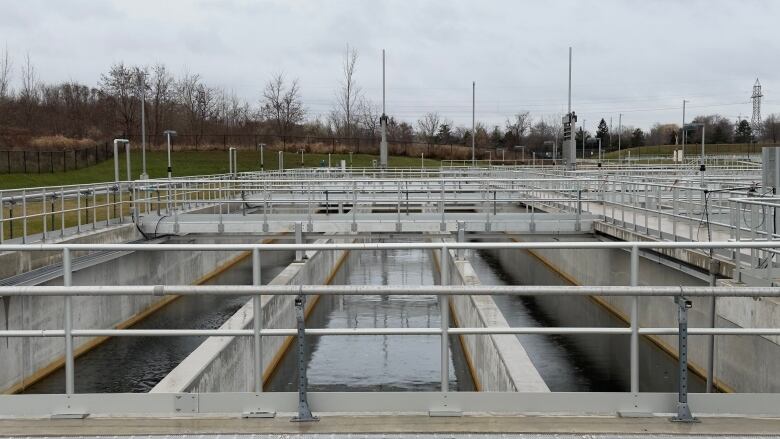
[[304, 412], [683, 410], [258, 414]]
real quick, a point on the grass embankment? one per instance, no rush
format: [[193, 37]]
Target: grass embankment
[[192, 163], [184, 163], [691, 150]]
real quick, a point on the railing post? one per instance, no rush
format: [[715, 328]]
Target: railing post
[[634, 361], [461, 237], [304, 412], [444, 307], [24, 217], [683, 410], [258, 322], [67, 280], [299, 240]]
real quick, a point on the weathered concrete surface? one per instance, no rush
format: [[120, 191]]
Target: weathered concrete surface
[[498, 363], [225, 364], [400, 424], [13, 263], [25, 360], [736, 357]]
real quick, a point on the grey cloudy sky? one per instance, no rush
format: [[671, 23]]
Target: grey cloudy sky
[[640, 58]]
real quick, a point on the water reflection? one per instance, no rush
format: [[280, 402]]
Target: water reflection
[[596, 363], [374, 363], [136, 364]]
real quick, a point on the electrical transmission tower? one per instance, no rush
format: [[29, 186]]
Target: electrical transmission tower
[[756, 122]]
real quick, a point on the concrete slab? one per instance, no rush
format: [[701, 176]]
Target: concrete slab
[[472, 425]]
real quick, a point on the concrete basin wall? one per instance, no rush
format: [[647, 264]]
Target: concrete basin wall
[[25, 360], [225, 364], [736, 356], [498, 363]]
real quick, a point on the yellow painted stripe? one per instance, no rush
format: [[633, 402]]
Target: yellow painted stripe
[[59, 362], [668, 349]]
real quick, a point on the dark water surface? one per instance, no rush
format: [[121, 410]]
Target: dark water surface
[[373, 363], [579, 363], [136, 364]]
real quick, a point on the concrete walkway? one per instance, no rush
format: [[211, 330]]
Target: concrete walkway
[[474, 426]]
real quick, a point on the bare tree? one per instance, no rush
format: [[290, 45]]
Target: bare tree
[[162, 87], [349, 93], [120, 87], [28, 95], [519, 124], [5, 75], [368, 117], [428, 126], [282, 104]]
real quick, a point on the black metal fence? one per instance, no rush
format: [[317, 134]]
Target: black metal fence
[[38, 162]]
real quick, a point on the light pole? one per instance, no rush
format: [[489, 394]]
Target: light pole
[[702, 167], [144, 175], [683, 132], [582, 130], [620, 132], [116, 157], [168, 134], [599, 165], [473, 119]]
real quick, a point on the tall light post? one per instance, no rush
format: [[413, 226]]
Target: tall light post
[[620, 132], [683, 131], [168, 134], [582, 130], [599, 165], [702, 167], [473, 119], [144, 175]]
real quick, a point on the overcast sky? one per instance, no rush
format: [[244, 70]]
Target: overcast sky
[[639, 58]]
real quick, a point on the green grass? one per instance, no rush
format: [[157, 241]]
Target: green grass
[[691, 150], [192, 163]]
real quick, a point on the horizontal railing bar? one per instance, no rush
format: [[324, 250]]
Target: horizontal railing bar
[[424, 290], [380, 331], [393, 246]]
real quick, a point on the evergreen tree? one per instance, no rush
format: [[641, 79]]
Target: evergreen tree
[[743, 132], [602, 132], [637, 137]]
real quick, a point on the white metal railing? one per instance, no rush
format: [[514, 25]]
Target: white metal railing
[[68, 291]]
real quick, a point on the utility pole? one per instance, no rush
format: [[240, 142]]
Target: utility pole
[[582, 130], [144, 175], [569, 145], [620, 132], [684, 131], [383, 122], [473, 119]]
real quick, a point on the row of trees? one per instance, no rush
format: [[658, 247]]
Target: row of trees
[[186, 103]]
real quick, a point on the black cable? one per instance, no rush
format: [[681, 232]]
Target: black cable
[[158, 225]]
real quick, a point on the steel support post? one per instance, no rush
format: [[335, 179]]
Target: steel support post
[[461, 238], [444, 306], [304, 412], [713, 303], [67, 280], [683, 410], [258, 322], [299, 254], [634, 360]]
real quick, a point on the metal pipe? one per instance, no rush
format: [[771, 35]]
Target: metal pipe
[[277, 332], [67, 282], [258, 323], [444, 309], [634, 355], [398, 246], [515, 290]]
